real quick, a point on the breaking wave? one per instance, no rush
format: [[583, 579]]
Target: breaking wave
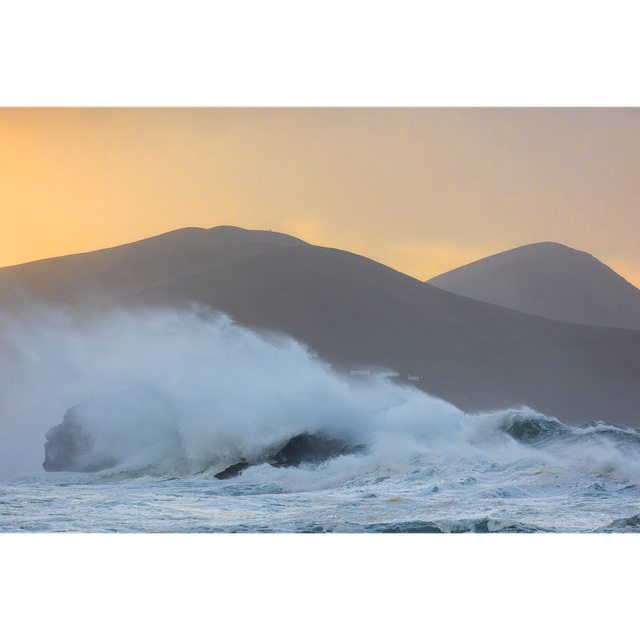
[[178, 393], [193, 388]]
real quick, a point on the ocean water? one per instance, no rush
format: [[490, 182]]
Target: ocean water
[[167, 400]]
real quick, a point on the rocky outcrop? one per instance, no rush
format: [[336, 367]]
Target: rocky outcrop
[[305, 448], [69, 447], [139, 426]]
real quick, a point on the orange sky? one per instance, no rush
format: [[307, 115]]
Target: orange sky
[[421, 190]]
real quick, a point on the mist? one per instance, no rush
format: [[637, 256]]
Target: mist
[[190, 388]]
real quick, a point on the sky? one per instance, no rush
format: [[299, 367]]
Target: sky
[[422, 190]]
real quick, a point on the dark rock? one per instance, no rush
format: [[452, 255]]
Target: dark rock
[[139, 425], [233, 471], [305, 448], [98, 434], [68, 448], [311, 448]]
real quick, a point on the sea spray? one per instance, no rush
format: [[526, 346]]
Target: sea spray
[[170, 398], [228, 393]]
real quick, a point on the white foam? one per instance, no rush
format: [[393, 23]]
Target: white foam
[[231, 392]]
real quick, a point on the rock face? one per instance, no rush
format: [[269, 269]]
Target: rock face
[[137, 424], [309, 448], [69, 447], [313, 448]]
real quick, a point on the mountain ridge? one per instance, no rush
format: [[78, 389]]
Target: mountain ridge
[[356, 312], [550, 280], [182, 252]]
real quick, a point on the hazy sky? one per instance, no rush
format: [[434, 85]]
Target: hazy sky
[[420, 190]]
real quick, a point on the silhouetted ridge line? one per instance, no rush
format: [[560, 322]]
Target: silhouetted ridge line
[[354, 312], [550, 280]]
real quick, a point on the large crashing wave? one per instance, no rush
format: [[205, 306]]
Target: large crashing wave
[[191, 391]]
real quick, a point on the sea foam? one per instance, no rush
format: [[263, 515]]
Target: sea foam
[[226, 391]]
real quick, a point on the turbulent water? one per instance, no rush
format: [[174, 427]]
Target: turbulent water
[[168, 400]]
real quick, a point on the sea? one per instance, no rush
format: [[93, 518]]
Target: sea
[[172, 398]]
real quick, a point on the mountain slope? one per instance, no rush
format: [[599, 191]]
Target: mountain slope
[[358, 313], [550, 280], [104, 275]]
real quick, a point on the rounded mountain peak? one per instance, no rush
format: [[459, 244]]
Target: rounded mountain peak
[[551, 280]]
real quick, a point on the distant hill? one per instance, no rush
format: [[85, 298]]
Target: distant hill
[[550, 280], [107, 274], [355, 312], [358, 313]]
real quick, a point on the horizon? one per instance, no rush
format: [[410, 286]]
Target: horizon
[[422, 190]]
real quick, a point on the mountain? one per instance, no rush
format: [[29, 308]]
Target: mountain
[[357, 313], [107, 274], [549, 280]]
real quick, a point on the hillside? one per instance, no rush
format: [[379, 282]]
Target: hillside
[[104, 275], [355, 312], [550, 280], [358, 313]]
